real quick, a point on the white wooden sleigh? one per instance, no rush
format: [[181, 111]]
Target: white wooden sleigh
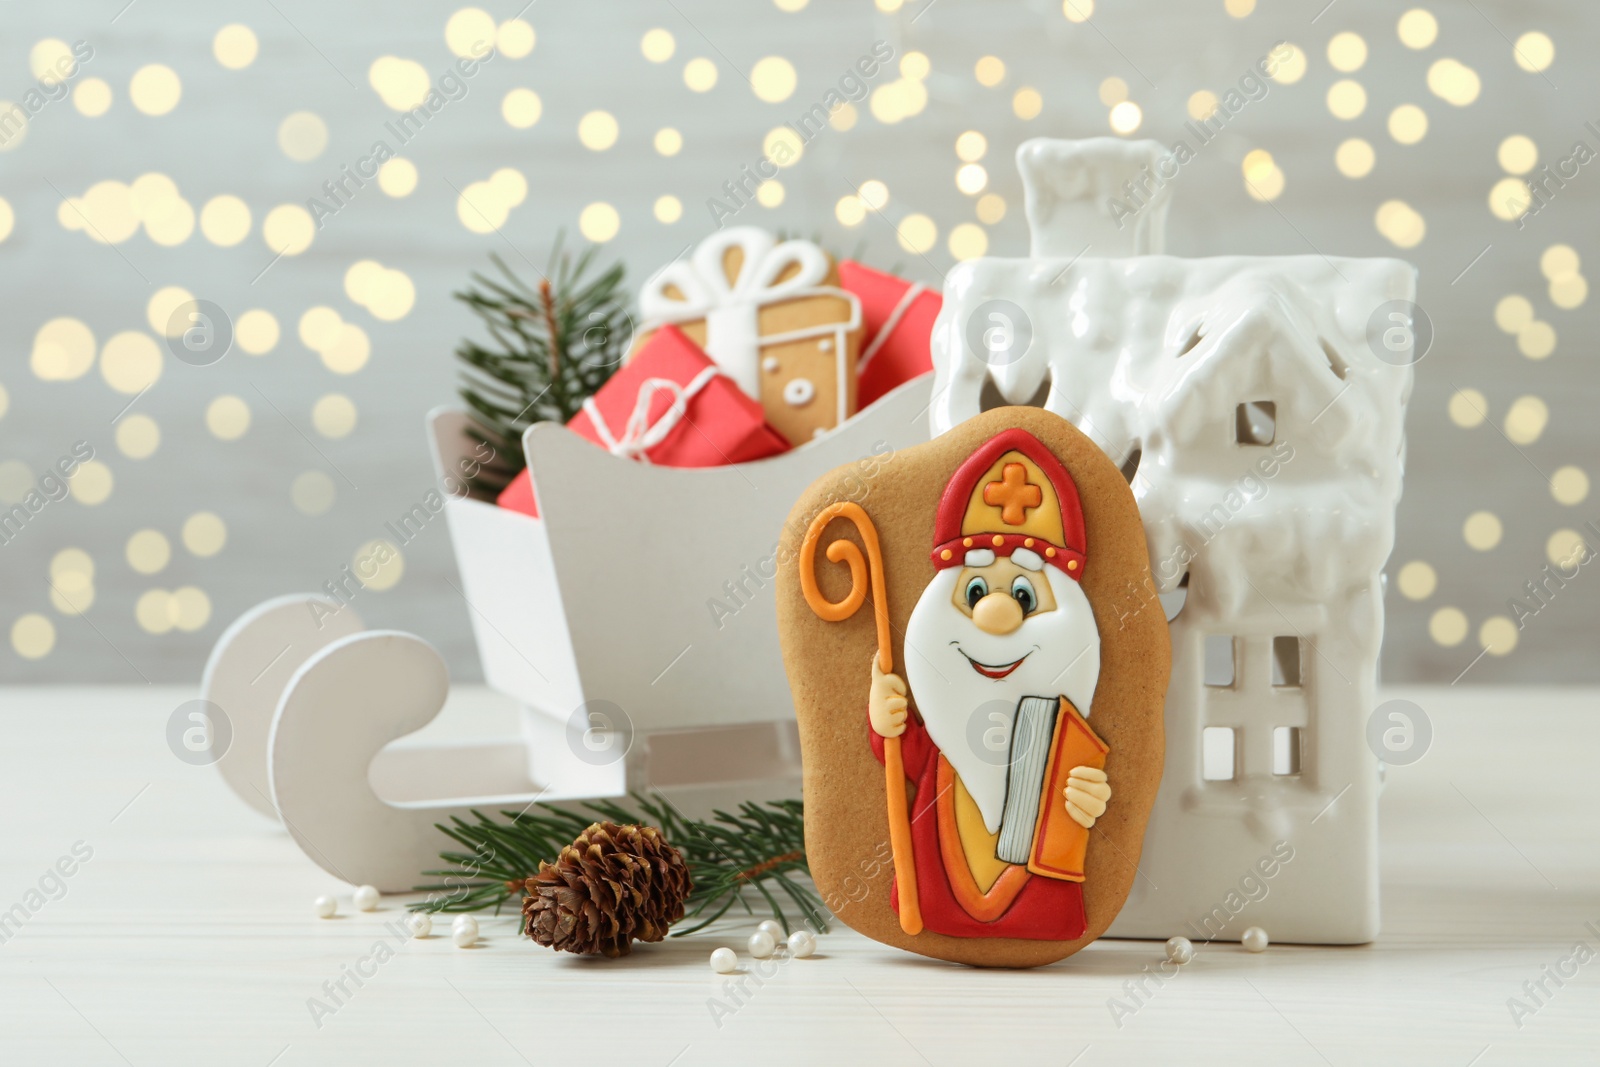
[[666, 696]]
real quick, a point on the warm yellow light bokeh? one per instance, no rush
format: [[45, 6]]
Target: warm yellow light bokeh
[[657, 45], [288, 229], [1468, 408], [225, 220], [1518, 154], [1355, 158], [1534, 51], [700, 74], [130, 362], [917, 233], [597, 130], [155, 89], [63, 349], [1347, 51], [303, 136], [470, 33], [1400, 223], [228, 418], [773, 79], [1417, 28], [1448, 627], [1408, 124], [92, 97], [521, 108], [1417, 580], [968, 241], [235, 46], [1454, 82], [599, 222]]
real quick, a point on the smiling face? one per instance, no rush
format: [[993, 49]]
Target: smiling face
[[999, 597], [981, 638]]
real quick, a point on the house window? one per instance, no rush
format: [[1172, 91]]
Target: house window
[[1195, 337], [1255, 422], [1219, 660], [990, 396], [1286, 662], [1336, 362], [1172, 603], [1286, 750], [1217, 750], [1130, 466]]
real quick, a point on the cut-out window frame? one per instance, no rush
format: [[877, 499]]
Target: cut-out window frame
[[1288, 662], [1288, 750], [1336, 362], [1130, 466], [990, 397], [1219, 752], [1209, 656], [1248, 430], [1192, 342], [1172, 603]]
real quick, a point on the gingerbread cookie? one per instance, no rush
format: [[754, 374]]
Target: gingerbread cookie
[[983, 746], [772, 317]]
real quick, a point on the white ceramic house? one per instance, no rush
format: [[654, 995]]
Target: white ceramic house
[[1263, 436]]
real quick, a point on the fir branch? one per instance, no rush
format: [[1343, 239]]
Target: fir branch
[[549, 349], [732, 857], [548, 304]]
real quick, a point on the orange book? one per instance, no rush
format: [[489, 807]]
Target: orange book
[[1059, 842]]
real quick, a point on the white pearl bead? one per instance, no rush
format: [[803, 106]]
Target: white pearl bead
[[366, 898], [463, 936], [1180, 950], [802, 943], [464, 920], [762, 944], [723, 961], [1254, 939], [773, 928], [420, 923], [325, 907]]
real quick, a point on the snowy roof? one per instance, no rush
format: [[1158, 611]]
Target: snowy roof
[[1156, 353]]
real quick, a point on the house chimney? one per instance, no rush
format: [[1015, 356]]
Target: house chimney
[[1103, 197]]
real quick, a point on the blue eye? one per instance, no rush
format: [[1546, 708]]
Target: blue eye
[[1022, 590], [977, 589]]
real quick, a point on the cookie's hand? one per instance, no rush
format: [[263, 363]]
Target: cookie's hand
[[886, 702], [1087, 792]]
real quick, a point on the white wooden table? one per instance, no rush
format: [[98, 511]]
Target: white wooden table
[[187, 936]]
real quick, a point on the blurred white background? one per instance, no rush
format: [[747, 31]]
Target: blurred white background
[[180, 160]]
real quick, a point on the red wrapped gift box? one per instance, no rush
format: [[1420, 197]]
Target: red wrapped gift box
[[518, 496], [668, 406], [897, 321]]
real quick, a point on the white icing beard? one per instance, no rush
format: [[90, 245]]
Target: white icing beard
[[1062, 650]]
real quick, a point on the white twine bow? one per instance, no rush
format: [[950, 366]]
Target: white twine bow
[[639, 434], [699, 288]]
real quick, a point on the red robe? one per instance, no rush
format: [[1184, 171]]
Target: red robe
[[1045, 909]]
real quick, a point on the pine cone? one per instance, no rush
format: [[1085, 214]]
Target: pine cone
[[610, 886]]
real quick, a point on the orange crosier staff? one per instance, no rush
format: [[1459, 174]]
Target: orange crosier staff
[[863, 570]]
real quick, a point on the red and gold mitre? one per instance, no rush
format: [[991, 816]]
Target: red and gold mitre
[[1012, 493]]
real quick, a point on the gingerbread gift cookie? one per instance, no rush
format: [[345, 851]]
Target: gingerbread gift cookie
[[979, 673], [772, 317]]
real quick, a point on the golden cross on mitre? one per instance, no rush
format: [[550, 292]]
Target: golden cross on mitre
[[1013, 494]]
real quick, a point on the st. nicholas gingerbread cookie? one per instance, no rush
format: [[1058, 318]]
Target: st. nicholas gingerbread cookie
[[979, 683]]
